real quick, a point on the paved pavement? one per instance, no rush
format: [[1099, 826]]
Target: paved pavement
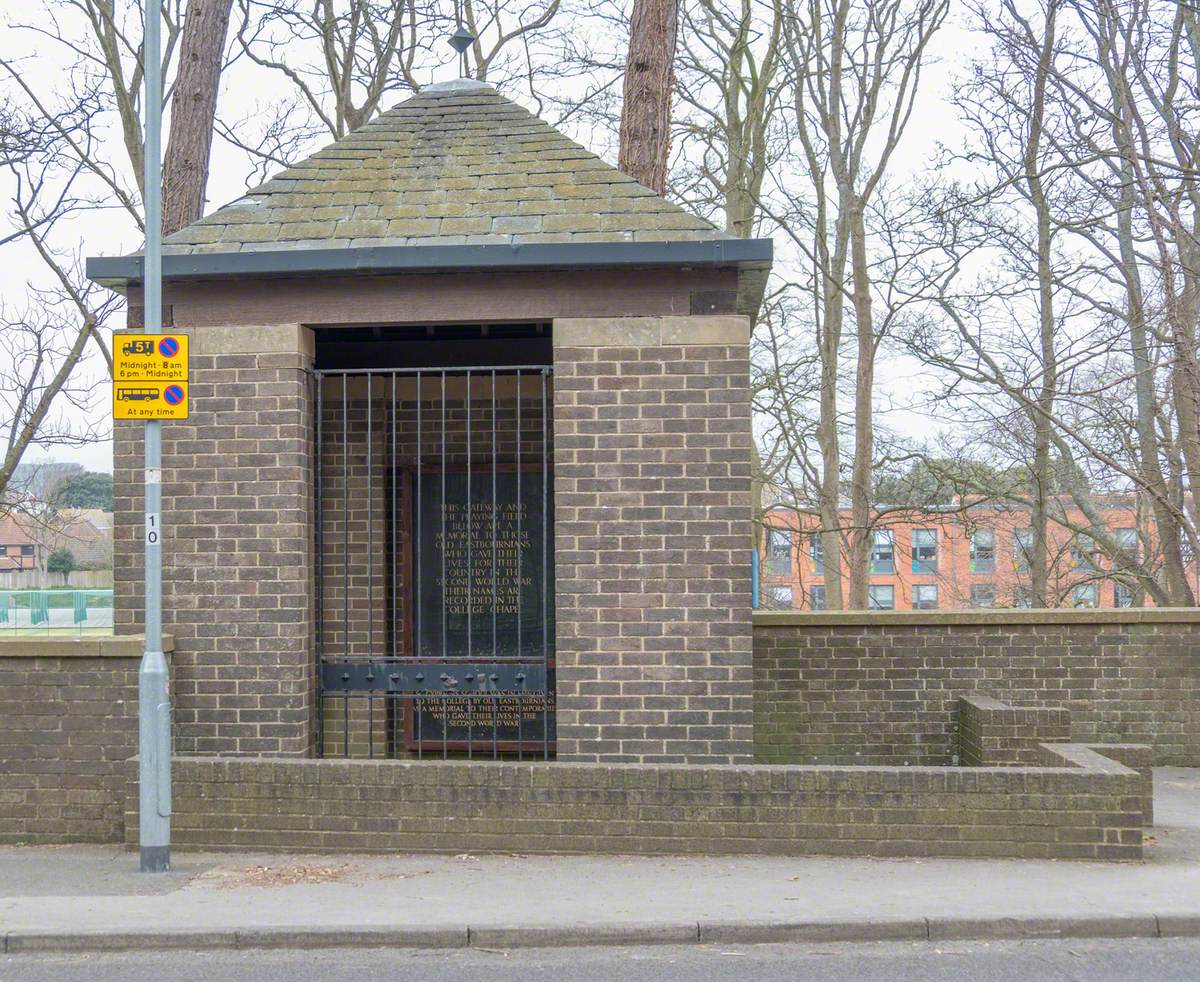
[[997, 961], [92, 897]]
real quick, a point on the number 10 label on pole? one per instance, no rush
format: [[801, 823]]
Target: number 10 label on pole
[[152, 528]]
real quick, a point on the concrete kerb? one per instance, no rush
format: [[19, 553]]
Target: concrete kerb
[[584, 935]]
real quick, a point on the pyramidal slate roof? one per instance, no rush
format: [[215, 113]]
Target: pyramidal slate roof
[[458, 164], [455, 178]]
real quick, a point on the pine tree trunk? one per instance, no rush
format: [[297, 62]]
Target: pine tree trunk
[[193, 107], [649, 81]]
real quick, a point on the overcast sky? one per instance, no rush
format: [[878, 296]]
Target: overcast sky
[[112, 234]]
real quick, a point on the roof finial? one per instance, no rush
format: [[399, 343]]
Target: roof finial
[[460, 40]]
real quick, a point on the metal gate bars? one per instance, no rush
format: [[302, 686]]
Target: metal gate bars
[[434, 543]]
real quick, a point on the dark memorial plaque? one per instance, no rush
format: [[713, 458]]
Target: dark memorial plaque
[[483, 595]]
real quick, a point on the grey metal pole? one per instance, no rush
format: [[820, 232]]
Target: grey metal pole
[[154, 707]]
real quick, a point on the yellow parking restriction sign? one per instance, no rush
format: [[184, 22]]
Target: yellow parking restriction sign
[[145, 399], [152, 357]]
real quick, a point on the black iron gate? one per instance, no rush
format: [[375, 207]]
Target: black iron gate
[[434, 552]]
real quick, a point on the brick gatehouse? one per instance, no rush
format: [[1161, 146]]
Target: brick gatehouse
[[469, 402]]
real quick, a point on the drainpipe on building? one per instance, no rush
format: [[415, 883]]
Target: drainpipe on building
[[154, 707]]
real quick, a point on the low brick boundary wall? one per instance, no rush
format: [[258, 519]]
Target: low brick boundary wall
[[992, 733], [68, 725], [883, 687], [1086, 807], [1135, 756]]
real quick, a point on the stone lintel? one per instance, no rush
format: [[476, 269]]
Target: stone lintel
[[651, 332], [247, 339], [123, 646]]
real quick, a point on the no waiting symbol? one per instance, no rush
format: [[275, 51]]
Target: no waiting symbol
[[173, 394], [168, 347]]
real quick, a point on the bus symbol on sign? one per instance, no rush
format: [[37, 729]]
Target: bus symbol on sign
[[132, 393]]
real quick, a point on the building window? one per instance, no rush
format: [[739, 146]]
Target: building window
[[1083, 553], [924, 551], [816, 597], [26, 550], [816, 554], [883, 552], [1122, 595], [1022, 596], [983, 595], [1127, 546], [881, 597], [1022, 550], [1084, 595], [779, 552], [924, 596], [780, 597], [983, 551]]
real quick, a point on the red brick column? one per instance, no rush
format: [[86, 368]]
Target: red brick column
[[652, 450], [237, 553]]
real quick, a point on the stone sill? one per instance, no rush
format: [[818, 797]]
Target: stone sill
[[122, 646], [985, 616]]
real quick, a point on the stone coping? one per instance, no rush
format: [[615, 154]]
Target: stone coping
[[987, 616], [1058, 759], [114, 646]]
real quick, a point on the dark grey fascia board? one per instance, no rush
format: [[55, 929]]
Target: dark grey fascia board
[[367, 260]]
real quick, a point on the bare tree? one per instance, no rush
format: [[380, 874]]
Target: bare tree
[[729, 91], [1070, 135], [343, 60], [40, 352], [66, 171], [340, 58], [512, 40], [854, 69]]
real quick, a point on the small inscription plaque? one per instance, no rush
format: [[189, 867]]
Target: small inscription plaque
[[483, 592]]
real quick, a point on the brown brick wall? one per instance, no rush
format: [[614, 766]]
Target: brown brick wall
[[237, 552], [884, 688], [1085, 807], [652, 525], [68, 724]]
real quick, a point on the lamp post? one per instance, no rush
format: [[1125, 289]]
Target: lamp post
[[154, 707]]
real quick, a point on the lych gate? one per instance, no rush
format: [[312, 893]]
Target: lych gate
[[467, 470]]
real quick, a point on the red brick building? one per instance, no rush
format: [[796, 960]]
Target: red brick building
[[18, 549], [959, 558]]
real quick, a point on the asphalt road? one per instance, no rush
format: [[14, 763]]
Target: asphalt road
[[1001, 961]]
